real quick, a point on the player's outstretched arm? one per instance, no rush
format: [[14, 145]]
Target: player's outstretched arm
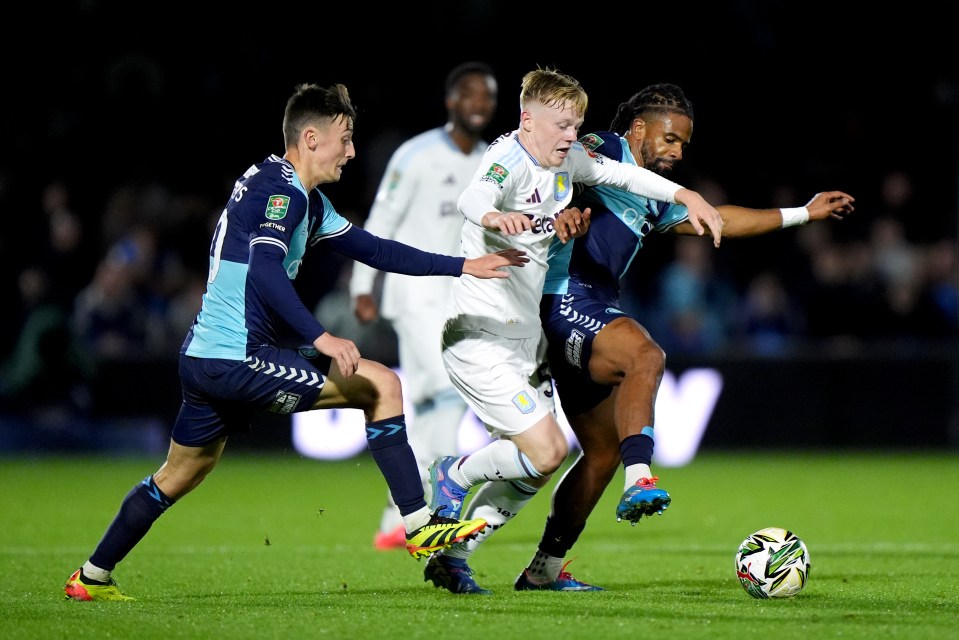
[[397, 257], [489, 266], [743, 222]]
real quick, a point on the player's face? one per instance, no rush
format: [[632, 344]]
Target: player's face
[[473, 102], [334, 148], [666, 139], [549, 132]]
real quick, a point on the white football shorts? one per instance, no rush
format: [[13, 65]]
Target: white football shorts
[[503, 380]]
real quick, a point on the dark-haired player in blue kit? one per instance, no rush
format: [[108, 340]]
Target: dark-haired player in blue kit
[[606, 367], [255, 348]]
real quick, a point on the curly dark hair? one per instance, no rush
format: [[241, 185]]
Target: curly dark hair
[[657, 99]]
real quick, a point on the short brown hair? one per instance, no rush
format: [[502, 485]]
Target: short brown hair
[[312, 104]]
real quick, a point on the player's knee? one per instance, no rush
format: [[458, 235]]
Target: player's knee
[[382, 394], [389, 387], [550, 457], [649, 358]]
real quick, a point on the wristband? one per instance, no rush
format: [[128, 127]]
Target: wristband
[[793, 216]]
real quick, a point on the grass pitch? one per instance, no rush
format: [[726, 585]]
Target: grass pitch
[[279, 546]]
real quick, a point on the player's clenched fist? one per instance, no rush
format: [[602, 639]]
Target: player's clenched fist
[[572, 223]]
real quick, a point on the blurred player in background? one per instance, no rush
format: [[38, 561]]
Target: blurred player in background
[[255, 348], [606, 367], [493, 341], [416, 204]]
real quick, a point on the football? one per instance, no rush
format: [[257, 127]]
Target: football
[[772, 563]]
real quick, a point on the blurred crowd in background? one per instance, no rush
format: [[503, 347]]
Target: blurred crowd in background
[[125, 282], [118, 159]]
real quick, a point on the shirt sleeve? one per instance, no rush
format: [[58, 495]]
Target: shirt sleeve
[[393, 256], [269, 279], [593, 168], [393, 198], [476, 201], [362, 279], [492, 179]]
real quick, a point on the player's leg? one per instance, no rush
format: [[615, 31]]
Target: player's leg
[[376, 390], [433, 433], [507, 386], [573, 499], [514, 399], [437, 407], [496, 502], [183, 470], [624, 355], [198, 439], [621, 359], [526, 453], [436, 432]]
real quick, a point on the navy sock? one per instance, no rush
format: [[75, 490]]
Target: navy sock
[[139, 510], [637, 449], [393, 455]]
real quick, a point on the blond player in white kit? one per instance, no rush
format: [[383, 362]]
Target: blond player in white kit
[[493, 342]]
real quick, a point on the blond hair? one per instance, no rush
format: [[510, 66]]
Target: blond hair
[[551, 88]]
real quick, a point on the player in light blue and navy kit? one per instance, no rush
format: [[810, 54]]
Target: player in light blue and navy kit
[[581, 291], [251, 312], [606, 367], [255, 347]]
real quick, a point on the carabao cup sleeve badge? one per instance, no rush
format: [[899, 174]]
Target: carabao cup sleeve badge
[[496, 174], [277, 207]]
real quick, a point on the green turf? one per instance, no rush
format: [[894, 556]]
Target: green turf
[[280, 547]]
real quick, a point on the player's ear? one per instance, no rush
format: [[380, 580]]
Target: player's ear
[[638, 128], [310, 137], [525, 118]]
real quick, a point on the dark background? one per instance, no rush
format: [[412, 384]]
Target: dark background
[[816, 95], [791, 98]]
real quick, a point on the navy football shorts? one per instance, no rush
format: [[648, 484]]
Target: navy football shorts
[[571, 322], [221, 397]]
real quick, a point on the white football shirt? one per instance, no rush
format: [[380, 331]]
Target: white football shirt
[[509, 179]]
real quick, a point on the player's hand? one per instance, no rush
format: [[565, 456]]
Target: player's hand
[[830, 204], [344, 352], [511, 223], [365, 308], [488, 266], [572, 223], [701, 213]]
